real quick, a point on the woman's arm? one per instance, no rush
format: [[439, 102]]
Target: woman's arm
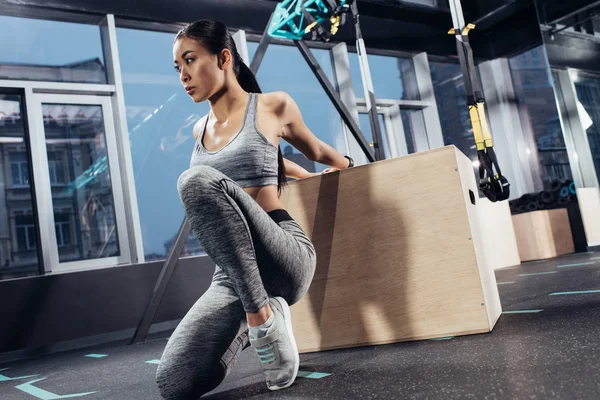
[[293, 170], [296, 133]]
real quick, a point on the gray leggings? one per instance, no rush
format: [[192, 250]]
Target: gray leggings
[[256, 258]]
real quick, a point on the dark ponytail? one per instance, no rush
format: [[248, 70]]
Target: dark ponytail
[[215, 37]]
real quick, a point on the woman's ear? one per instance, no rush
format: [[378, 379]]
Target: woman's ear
[[225, 59]]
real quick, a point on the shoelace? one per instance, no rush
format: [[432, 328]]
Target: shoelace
[[266, 354]]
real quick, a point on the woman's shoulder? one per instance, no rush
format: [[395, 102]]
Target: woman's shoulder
[[274, 101]]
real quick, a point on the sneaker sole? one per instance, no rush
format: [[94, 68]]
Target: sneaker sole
[[287, 315]]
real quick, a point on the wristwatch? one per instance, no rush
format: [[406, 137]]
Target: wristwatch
[[351, 161]]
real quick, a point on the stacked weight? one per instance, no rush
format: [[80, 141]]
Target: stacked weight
[[559, 194]]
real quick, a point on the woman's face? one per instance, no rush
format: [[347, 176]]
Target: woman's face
[[198, 70]]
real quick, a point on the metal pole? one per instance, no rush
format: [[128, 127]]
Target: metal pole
[[368, 86], [465, 54], [161, 283], [262, 48], [335, 99]]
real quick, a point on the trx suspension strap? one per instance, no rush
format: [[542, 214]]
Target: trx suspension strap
[[493, 184]]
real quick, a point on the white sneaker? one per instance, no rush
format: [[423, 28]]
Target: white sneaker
[[276, 347]]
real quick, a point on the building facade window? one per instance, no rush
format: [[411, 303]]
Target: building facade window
[[25, 228], [19, 167], [62, 226]]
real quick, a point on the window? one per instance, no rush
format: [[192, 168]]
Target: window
[[56, 167], [41, 50], [393, 77], [18, 249], [451, 99], [160, 119], [19, 167], [76, 145], [537, 106], [62, 226], [284, 68], [25, 227]]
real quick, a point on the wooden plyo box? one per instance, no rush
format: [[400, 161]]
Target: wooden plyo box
[[399, 253], [500, 242], [543, 234]]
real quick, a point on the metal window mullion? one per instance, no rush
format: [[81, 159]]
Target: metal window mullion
[[111, 55], [408, 104], [60, 87], [41, 180], [343, 83], [398, 129], [241, 44], [389, 132], [566, 100], [431, 117]]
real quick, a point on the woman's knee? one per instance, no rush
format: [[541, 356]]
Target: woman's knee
[[197, 182]]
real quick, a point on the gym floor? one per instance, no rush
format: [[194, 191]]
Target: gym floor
[[546, 345]]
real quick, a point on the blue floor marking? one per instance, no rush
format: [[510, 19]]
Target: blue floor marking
[[577, 292], [312, 375], [539, 273], [505, 283], [153, 362], [444, 338], [44, 394], [96, 355], [4, 378], [522, 312], [576, 265]]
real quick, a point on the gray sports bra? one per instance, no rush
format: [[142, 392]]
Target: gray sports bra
[[249, 159]]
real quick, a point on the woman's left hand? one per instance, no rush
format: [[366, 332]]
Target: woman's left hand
[[328, 170]]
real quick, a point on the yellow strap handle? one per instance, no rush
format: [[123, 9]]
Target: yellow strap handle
[[481, 131], [310, 27]]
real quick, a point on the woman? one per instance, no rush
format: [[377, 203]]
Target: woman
[[230, 193]]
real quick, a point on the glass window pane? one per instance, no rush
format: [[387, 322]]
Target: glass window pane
[[16, 174], [24, 173], [537, 105], [18, 254], [588, 93], [75, 139], [41, 50], [393, 77], [365, 126], [160, 118], [283, 68], [451, 99]]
